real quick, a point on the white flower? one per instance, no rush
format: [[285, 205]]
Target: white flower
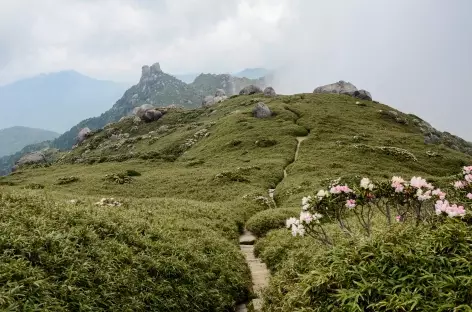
[[290, 222], [398, 180], [365, 183], [306, 200], [424, 196], [321, 194], [306, 217], [317, 216]]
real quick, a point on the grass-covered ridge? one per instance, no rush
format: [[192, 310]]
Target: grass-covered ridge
[[197, 177]]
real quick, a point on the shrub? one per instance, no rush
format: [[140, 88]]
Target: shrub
[[34, 186], [67, 180], [132, 173], [270, 219], [231, 176], [141, 258], [405, 269], [119, 178], [265, 143]]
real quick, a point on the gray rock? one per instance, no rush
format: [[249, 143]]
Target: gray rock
[[145, 71], [156, 68], [208, 101], [251, 89], [141, 110], [83, 134], [269, 91], [261, 111], [31, 158], [393, 115], [151, 115], [340, 87], [431, 139], [361, 94], [220, 92]]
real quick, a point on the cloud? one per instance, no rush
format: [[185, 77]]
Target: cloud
[[413, 55]]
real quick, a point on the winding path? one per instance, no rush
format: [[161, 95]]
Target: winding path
[[259, 273]]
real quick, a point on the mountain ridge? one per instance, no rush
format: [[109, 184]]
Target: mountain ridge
[[58, 99], [15, 138]]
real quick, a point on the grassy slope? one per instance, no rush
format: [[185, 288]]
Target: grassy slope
[[198, 208]]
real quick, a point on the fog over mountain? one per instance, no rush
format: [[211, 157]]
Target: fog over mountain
[[414, 55]]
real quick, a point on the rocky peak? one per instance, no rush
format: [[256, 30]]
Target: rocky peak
[[149, 73], [156, 68]]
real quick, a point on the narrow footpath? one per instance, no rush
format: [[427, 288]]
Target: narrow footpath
[[259, 273]]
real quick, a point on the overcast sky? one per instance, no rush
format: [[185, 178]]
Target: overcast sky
[[414, 55]]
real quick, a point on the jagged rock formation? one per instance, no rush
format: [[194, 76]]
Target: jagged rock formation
[[342, 87], [261, 111], [433, 136], [251, 89]]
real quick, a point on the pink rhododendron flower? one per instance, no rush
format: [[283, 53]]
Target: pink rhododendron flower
[[398, 218], [350, 203], [340, 189], [439, 193], [468, 178], [469, 196], [467, 169], [451, 210], [398, 187], [459, 184], [422, 196], [306, 217]]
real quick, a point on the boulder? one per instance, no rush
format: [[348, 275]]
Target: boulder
[[31, 158], [261, 111], [251, 89], [220, 92], [208, 101], [151, 115], [339, 87], [141, 110], [83, 134], [431, 139], [342, 87], [361, 94], [269, 91]]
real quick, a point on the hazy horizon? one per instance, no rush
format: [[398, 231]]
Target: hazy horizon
[[414, 56]]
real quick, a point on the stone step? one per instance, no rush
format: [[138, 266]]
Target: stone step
[[259, 273]]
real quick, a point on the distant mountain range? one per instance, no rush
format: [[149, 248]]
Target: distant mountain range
[[55, 101], [14, 139]]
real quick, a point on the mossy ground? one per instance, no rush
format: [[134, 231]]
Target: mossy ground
[[182, 215]]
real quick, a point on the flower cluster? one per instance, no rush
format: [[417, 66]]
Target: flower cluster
[[396, 199], [443, 206], [298, 225], [418, 187]]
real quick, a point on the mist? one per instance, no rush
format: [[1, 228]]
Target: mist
[[412, 55]]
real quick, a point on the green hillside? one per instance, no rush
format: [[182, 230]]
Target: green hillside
[[187, 184], [14, 139]]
